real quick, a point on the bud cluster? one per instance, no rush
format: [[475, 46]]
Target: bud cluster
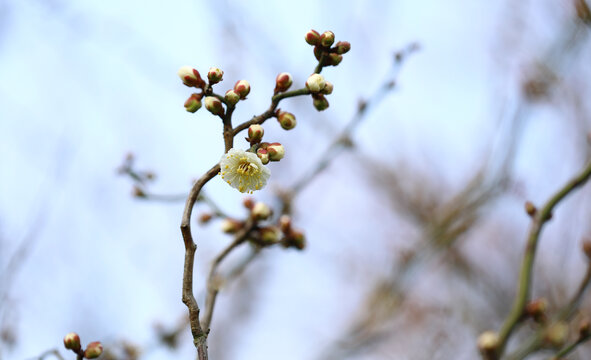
[[319, 87], [324, 51], [213, 103], [92, 351], [269, 151], [263, 234]]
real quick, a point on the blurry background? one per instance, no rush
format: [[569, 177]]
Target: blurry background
[[415, 233]]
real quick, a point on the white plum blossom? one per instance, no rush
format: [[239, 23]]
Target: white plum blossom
[[244, 170]]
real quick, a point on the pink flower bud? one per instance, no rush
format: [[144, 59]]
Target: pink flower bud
[[343, 47], [93, 350], [315, 83], [327, 39], [263, 154], [214, 75], [232, 97], [320, 102], [313, 37], [191, 77], [286, 120], [255, 133], [328, 88], [261, 211], [242, 87], [214, 105], [193, 103], [276, 151], [283, 82], [72, 342]]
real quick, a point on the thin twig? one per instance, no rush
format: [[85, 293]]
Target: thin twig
[[525, 274], [213, 283], [199, 336]]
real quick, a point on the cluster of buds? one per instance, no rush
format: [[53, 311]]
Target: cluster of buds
[[92, 351], [213, 103], [324, 51], [269, 152], [263, 234], [319, 87]]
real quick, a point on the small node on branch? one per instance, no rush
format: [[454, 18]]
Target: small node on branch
[[530, 209]]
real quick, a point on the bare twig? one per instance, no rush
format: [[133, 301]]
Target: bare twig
[[525, 274]]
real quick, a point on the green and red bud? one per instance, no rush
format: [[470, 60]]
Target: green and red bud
[[214, 75], [232, 97], [276, 151], [334, 59], [328, 88], [313, 37], [255, 133], [193, 103], [93, 350], [320, 102], [214, 105], [242, 87], [327, 39], [72, 342], [287, 120], [263, 154], [343, 47], [283, 82], [191, 77]]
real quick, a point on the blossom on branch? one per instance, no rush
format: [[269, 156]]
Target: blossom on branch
[[244, 170]]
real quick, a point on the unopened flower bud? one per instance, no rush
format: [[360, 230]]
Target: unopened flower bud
[[298, 240], [232, 97], [72, 341], [248, 203], [93, 350], [556, 334], [343, 47], [530, 209], [276, 151], [328, 88], [270, 235], [320, 103], [334, 59], [283, 82], [537, 309], [488, 342], [214, 75], [261, 211], [214, 105], [205, 218], [313, 37], [193, 103], [286, 120], [263, 154], [327, 39], [315, 83], [255, 133], [191, 77], [285, 223], [230, 226], [584, 328], [242, 87]]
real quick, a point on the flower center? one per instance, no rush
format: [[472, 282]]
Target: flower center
[[246, 168]]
